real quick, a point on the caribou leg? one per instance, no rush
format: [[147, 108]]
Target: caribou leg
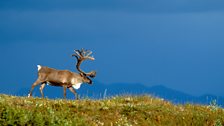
[[74, 92], [37, 82], [41, 89], [64, 87]]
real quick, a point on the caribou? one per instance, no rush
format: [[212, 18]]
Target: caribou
[[65, 78]]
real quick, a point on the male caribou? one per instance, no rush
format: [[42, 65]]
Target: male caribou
[[65, 78]]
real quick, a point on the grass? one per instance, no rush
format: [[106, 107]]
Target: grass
[[116, 111]]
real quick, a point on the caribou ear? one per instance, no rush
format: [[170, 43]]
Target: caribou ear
[[82, 74]]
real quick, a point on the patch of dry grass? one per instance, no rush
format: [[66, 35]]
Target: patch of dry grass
[[116, 111]]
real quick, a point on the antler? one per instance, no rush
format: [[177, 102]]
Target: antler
[[82, 55]]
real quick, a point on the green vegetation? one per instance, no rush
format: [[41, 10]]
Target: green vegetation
[[116, 111]]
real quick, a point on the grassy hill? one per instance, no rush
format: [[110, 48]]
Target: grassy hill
[[116, 111]]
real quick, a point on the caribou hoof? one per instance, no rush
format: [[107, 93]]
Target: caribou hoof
[[29, 95]]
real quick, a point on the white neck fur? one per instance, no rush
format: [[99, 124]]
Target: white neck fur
[[76, 86]]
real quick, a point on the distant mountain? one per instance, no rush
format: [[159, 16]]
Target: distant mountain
[[100, 90]]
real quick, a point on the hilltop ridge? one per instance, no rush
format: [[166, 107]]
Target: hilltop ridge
[[115, 111]]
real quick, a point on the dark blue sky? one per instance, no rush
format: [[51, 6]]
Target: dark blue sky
[[179, 44]]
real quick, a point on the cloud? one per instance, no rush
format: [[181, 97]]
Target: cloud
[[120, 5]]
